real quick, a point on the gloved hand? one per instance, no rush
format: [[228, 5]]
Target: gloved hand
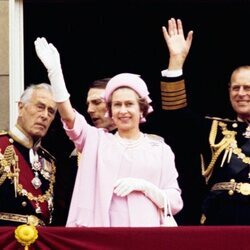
[[125, 186], [50, 57]]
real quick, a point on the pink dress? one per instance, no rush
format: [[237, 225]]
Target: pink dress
[[105, 159]]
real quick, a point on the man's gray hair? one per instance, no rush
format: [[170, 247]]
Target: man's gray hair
[[26, 95]]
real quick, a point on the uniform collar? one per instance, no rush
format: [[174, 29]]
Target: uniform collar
[[241, 120], [18, 134]]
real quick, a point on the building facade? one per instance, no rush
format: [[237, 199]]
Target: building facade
[[4, 64]]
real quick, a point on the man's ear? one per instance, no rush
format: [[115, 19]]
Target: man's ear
[[20, 108]]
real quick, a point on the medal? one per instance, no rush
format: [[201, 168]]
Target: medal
[[246, 134], [38, 208], [36, 182], [36, 166]]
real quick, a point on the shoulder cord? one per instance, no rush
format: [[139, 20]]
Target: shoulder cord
[[8, 159], [224, 144]]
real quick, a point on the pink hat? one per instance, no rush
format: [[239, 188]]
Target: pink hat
[[132, 81]]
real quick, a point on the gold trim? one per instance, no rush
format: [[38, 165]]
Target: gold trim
[[40, 198], [176, 93], [225, 144], [203, 219], [165, 103], [228, 144], [9, 166], [173, 99], [173, 95], [232, 186], [172, 86], [174, 107], [28, 219]]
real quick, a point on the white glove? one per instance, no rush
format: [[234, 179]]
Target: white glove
[[125, 186], [50, 57]]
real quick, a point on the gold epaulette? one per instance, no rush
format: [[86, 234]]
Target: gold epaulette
[[227, 144], [173, 95], [9, 167], [155, 137], [220, 119], [3, 132]]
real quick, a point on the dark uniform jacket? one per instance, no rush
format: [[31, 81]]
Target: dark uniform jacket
[[224, 146], [21, 201]]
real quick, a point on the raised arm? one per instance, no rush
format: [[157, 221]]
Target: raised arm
[[50, 58], [173, 92], [177, 45]]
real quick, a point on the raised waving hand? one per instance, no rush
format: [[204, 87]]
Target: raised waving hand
[[178, 45]]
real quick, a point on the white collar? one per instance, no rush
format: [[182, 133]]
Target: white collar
[[20, 136]]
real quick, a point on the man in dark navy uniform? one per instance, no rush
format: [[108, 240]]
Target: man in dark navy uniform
[[27, 170], [223, 143]]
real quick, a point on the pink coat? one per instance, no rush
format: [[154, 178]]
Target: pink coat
[[99, 168]]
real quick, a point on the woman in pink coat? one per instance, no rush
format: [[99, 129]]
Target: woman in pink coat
[[123, 178]]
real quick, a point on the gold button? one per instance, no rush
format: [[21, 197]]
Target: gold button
[[11, 140], [230, 192], [24, 203]]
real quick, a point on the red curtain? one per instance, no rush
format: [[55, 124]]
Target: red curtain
[[182, 237]]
